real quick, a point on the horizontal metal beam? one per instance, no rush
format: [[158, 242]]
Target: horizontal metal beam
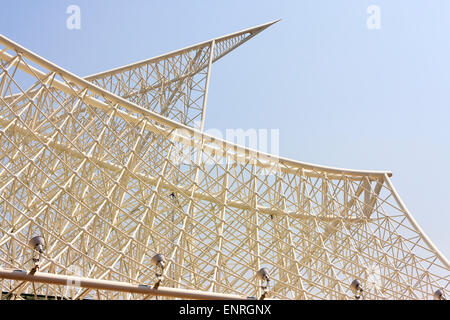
[[96, 284]]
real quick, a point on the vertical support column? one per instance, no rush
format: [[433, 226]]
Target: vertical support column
[[205, 98], [367, 192], [215, 276], [373, 199], [302, 295], [324, 194], [253, 227]]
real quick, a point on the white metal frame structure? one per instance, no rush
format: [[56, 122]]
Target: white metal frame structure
[[174, 85], [93, 166]]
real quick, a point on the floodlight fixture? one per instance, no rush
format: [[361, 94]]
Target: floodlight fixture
[[439, 295], [357, 288], [37, 243], [263, 275], [159, 261]]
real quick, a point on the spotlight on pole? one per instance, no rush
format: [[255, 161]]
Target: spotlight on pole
[[264, 276], [159, 261], [356, 288], [439, 295], [37, 243]]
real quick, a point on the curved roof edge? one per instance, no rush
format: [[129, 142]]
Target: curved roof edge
[[136, 108]]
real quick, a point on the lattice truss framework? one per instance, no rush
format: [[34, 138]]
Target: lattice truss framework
[[97, 172], [175, 84]]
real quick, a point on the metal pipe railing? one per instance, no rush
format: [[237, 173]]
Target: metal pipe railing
[[96, 284]]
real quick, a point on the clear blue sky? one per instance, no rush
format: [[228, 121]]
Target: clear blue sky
[[341, 95]]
